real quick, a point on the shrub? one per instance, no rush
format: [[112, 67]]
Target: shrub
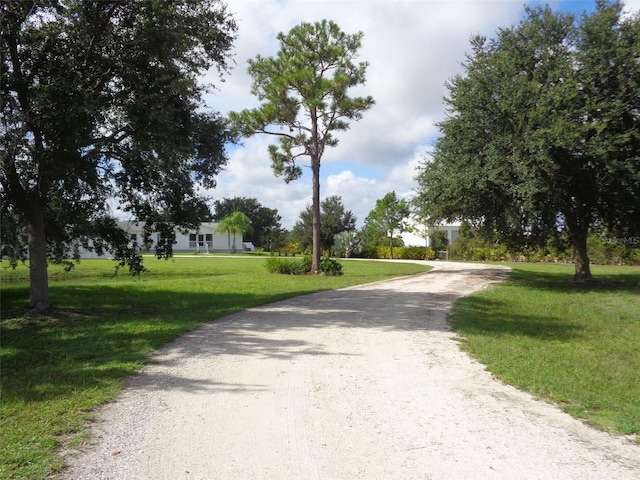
[[305, 263], [601, 250], [605, 253], [367, 252], [293, 248], [328, 266], [383, 252], [347, 243], [283, 266], [417, 253], [414, 253]]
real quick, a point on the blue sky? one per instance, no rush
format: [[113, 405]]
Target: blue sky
[[412, 46]]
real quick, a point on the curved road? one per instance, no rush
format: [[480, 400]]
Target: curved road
[[360, 383]]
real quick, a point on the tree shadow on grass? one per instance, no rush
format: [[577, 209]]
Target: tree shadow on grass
[[74, 349], [561, 280], [107, 332], [480, 315], [477, 315]]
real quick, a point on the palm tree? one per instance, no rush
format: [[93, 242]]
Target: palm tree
[[346, 242], [225, 226], [237, 222]]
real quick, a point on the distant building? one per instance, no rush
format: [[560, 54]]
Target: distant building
[[417, 237], [204, 239]]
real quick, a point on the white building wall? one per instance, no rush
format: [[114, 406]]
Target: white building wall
[[414, 239], [204, 239]]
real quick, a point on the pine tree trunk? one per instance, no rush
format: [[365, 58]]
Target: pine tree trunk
[[39, 300], [315, 259]]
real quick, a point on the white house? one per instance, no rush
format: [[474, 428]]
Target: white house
[[417, 237], [204, 239]]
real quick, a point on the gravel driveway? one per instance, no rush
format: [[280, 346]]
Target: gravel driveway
[[365, 382]]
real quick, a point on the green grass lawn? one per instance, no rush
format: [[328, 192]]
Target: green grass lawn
[[577, 345], [56, 369]]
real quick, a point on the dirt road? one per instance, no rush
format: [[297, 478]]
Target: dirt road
[[360, 383]]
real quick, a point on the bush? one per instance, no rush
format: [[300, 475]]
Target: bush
[[328, 266], [283, 266], [601, 250], [417, 253], [367, 252], [305, 263], [414, 253], [605, 253], [383, 252]]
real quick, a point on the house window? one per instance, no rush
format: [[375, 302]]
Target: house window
[[160, 238], [204, 241]]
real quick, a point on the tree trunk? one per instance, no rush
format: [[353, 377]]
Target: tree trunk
[[315, 202], [581, 259], [39, 300], [391, 246]]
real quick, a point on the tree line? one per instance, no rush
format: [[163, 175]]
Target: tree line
[[339, 234], [381, 236]]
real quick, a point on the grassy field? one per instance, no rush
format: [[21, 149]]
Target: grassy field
[[56, 369], [577, 345]]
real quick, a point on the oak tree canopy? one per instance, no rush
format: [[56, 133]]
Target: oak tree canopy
[[543, 132], [101, 105]]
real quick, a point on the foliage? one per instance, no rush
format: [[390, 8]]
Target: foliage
[[347, 243], [293, 248], [236, 223], [613, 250], [100, 101], [417, 253], [403, 253], [333, 220], [386, 252], [328, 266], [472, 246], [581, 350], [438, 239], [388, 218], [305, 102], [57, 368], [265, 222], [285, 266], [425, 226], [543, 133]]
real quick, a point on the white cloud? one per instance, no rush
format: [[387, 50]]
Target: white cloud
[[358, 193], [413, 47]]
